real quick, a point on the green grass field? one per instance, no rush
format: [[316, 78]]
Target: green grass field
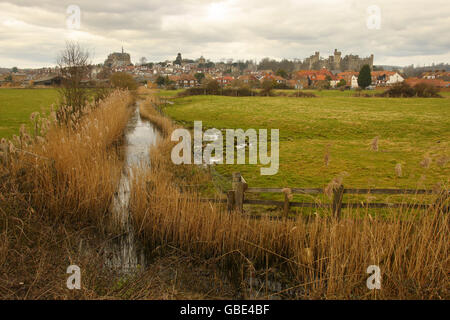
[[168, 93], [16, 106], [409, 130]]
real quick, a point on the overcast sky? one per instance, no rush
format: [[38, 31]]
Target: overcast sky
[[409, 31]]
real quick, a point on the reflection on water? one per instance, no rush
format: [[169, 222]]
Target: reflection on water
[[124, 252]]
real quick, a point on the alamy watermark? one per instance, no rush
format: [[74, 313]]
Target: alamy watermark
[[257, 144], [73, 20], [373, 21], [74, 280], [374, 281]]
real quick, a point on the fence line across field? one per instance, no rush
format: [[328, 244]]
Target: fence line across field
[[236, 197]]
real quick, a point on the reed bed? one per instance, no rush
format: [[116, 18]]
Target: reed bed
[[70, 170], [149, 112], [319, 257], [55, 191]]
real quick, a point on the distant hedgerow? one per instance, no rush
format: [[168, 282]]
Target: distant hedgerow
[[404, 90]]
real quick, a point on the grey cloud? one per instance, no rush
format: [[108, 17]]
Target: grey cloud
[[158, 29]]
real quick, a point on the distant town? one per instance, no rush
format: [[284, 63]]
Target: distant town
[[315, 72]]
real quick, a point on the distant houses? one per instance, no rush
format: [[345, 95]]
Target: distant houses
[[51, 80], [386, 78], [184, 81], [185, 74], [350, 78], [225, 81]]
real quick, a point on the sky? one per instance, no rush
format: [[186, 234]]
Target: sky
[[399, 32]]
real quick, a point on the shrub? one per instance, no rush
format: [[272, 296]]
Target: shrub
[[425, 90], [403, 90], [281, 86], [267, 88], [301, 94], [123, 80], [212, 87], [238, 92]]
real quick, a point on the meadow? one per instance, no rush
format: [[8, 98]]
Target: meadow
[[56, 191], [16, 106], [332, 134]]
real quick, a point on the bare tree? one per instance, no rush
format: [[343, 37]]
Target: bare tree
[[73, 64], [143, 61]]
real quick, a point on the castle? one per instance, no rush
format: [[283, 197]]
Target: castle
[[335, 62], [118, 59]]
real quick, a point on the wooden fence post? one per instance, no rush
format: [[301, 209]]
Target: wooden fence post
[[230, 200], [239, 188], [286, 206], [338, 194]]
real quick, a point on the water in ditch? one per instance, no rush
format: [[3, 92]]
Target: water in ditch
[[124, 253]]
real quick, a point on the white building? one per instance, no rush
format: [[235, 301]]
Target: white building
[[354, 84], [395, 78]]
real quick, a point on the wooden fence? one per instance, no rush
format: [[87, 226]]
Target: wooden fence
[[236, 197]]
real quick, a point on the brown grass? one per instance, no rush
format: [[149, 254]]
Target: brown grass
[[322, 256]]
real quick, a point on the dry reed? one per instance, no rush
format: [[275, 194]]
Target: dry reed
[[69, 170]]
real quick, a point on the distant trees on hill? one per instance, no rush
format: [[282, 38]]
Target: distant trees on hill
[[274, 65], [412, 71]]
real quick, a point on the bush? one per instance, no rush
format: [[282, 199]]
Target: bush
[[402, 90], [123, 80], [301, 94], [281, 86], [211, 90], [267, 88], [212, 87], [425, 90], [237, 92]]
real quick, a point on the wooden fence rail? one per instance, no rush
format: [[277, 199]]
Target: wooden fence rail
[[236, 197]]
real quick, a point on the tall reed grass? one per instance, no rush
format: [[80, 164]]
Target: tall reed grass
[[56, 185], [70, 170]]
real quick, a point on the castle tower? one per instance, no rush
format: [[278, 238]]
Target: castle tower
[[337, 59]]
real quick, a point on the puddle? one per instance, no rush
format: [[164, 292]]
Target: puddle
[[124, 253]]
